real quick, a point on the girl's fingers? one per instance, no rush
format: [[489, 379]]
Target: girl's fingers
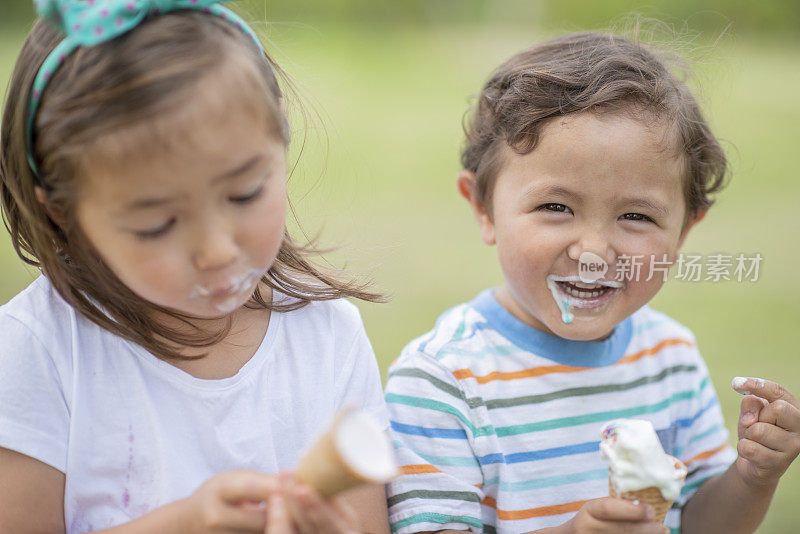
[[278, 520], [323, 514], [346, 512], [246, 486], [297, 510]]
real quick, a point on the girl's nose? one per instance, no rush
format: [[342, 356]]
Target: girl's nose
[[215, 250]]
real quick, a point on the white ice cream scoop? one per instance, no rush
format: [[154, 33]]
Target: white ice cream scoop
[[638, 461]]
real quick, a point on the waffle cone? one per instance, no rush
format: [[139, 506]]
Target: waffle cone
[[651, 496], [325, 468]]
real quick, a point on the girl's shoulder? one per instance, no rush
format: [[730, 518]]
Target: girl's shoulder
[[336, 314], [39, 310]]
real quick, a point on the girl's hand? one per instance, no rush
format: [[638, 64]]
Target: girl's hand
[[231, 502], [314, 514], [611, 515], [769, 431]]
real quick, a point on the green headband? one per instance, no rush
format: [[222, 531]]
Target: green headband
[[91, 22]]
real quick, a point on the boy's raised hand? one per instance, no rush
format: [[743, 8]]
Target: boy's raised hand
[[612, 515], [769, 431]]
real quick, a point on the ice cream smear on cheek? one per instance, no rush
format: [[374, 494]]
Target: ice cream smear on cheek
[[637, 460], [570, 293]]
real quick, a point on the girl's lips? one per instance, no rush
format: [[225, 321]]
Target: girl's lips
[[234, 286]]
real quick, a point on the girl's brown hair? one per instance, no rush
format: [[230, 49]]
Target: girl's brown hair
[[98, 91], [589, 72]]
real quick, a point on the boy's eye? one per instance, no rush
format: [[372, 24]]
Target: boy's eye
[[553, 206], [244, 199], [636, 217], [152, 234]]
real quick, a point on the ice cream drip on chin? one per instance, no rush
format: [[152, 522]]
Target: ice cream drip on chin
[[562, 301]]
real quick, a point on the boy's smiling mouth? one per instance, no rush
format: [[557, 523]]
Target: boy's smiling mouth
[[572, 293]]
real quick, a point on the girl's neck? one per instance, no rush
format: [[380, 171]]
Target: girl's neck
[[226, 357]]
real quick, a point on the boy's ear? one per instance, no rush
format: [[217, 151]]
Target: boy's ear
[[468, 187], [689, 225]]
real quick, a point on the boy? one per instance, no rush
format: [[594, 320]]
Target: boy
[[582, 151]]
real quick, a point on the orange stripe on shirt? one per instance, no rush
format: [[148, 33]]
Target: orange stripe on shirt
[[556, 509], [417, 469], [654, 350], [547, 369], [706, 454]]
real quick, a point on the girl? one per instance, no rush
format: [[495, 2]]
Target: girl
[[179, 346]]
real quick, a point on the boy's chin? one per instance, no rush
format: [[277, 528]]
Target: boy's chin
[[582, 329]]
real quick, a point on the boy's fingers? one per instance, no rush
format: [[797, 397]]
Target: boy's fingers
[[749, 412], [782, 414], [766, 460], [613, 509], [765, 389], [770, 436]]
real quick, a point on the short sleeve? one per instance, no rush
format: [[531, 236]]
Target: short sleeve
[[34, 415], [702, 436], [358, 380], [440, 483]]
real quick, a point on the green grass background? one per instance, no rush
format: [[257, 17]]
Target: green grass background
[[377, 178]]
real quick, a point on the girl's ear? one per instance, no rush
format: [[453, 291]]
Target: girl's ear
[[468, 187], [54, 214]]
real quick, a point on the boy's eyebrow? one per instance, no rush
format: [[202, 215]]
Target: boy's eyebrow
[[645, 203], [143, 203], [551, 190]]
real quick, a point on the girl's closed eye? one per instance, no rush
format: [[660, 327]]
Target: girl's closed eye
[[249, 197], [144, 235]]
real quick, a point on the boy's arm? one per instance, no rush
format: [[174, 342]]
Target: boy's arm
[[725, 504], [440, 487], [769, 440]]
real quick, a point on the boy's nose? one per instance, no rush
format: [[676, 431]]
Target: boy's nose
[[593, 242]]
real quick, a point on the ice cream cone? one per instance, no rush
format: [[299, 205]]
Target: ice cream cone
[[354, 450], [651, 495]]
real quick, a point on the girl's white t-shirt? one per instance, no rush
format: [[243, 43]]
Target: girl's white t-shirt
[[133, 433]]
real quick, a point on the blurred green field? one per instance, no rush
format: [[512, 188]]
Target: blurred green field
[[378, 178]]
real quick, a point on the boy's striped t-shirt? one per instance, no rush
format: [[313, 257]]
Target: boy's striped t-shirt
[[496, 425]]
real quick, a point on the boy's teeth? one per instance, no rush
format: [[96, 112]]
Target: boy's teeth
[[580, 290], [586, 286]]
